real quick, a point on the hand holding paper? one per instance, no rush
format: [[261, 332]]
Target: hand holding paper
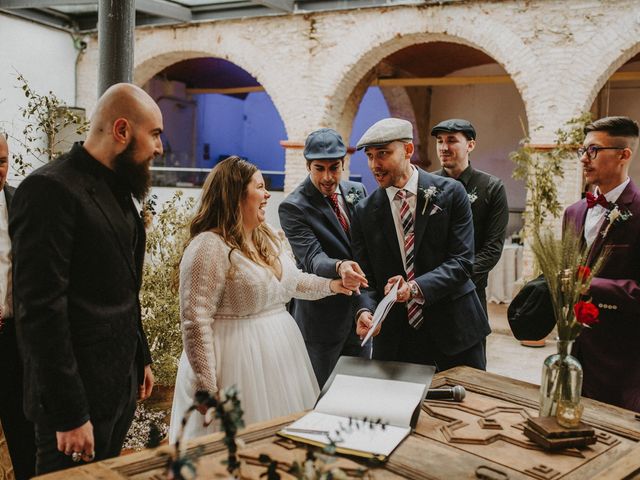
[[375, 323]]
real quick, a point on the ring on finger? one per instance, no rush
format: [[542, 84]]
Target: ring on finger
[[90, 457], [76, 456]]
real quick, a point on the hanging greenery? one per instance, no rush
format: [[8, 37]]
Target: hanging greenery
[[542, 170]]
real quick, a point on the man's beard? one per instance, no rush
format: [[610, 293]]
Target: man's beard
[[136, 175]]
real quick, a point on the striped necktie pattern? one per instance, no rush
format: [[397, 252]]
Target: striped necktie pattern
[[414, 309]]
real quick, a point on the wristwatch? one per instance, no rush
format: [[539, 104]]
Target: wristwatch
[[414, 291]]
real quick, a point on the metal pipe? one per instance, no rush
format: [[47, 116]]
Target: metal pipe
[[116, 24]]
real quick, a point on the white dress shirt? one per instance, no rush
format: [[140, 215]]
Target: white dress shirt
[[596, 214], [5, 260], [411, 187]]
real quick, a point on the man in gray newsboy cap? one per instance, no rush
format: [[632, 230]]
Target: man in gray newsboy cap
[[416, 230], [316, 218]]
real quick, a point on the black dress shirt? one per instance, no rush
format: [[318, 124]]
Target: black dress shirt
[[490, 217]]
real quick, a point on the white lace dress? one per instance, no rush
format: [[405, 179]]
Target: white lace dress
[[236, 331]]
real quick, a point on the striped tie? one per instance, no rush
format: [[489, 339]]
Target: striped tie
[[414, 309]]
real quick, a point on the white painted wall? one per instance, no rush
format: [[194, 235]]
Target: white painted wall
[[45, 56]]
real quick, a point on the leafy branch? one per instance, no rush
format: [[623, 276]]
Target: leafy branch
[[46, 117], [542, 170]]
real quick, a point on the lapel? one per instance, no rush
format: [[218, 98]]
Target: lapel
[[382, 215], [8, 195], [625, 199], [105, 201], [422, 219], [317, 200]]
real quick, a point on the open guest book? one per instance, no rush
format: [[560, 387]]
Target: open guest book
[[388, 394]]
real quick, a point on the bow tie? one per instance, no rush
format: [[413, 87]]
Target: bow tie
[[592, 200]]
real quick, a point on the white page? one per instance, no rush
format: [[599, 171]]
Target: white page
[[373, 440], [391, 401], [381, 311]]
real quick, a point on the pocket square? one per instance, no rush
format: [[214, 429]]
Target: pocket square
[[435, 209]]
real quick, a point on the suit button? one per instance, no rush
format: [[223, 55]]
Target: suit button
[[615, 307], [600, 305]]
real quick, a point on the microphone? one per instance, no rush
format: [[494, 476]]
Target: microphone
[[456, 393]]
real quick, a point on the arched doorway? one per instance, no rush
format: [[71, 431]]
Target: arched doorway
[[212, 108], [620, 95], [428, 82]]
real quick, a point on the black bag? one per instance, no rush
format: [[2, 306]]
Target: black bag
[[530, 313]]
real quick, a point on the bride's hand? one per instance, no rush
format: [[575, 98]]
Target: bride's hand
[[337, 287]]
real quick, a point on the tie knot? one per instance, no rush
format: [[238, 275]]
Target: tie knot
[[593, 200], [401, 194], [334, 198]]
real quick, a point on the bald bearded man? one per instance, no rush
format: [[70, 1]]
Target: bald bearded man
[[78, 249]]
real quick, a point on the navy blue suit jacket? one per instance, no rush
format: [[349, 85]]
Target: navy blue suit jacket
[[443, 264], [319, 242]]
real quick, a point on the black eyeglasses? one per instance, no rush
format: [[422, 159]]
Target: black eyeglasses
[[592, 151]]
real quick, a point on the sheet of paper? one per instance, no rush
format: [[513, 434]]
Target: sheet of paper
[[391, 401], [320, 427], [381, 311]]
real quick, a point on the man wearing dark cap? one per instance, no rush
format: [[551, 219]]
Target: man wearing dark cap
[[416, 229], [316, 218], [456, 139]]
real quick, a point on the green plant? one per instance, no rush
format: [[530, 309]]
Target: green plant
[[166, 236], [46, 117], [541, 171]]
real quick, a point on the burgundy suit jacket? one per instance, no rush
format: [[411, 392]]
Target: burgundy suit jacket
[[610, 350]]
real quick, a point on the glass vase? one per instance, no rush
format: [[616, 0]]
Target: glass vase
[[561, 386]]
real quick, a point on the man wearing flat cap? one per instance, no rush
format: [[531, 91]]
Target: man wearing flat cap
[[316, 218], [456, 139], [416, 229]]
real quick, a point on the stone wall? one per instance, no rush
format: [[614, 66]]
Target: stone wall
[[316, 67]]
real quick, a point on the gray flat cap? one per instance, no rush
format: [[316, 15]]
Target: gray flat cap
[[455, 125], [386, 131], [324, 144]]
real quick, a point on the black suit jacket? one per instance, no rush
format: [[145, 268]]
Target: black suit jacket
[[319, 242], [443, 261], [490, 210], [77, 281]]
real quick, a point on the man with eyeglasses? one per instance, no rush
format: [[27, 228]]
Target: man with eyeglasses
[[610, 219]]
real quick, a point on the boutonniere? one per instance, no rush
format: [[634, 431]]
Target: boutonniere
[[353, 196], [473, 195], [428, 194], [615, 215]]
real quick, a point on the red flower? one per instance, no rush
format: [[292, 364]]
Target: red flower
[[583, 273], [586, 313]]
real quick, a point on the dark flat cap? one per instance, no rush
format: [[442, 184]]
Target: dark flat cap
[[455, 125], [530, 313], [386, 131], [324, 144]]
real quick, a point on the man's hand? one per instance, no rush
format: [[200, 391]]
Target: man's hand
[[77, 441], [363, 324], [144, 389], [352, 276], [336, 287], [404, 291]]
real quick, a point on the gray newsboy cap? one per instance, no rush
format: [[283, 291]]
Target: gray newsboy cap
[[324, 144], [455, 125], [386, 131]]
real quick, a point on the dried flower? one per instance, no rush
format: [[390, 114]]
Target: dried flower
[[428, 194], [353, 196], [564, 265], [615, 215]]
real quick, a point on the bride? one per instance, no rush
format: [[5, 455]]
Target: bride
[[236, 275]]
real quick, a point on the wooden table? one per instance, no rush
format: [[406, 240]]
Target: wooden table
[[480, 436]]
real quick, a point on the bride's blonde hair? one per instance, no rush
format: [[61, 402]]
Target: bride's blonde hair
[[219, 211]]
